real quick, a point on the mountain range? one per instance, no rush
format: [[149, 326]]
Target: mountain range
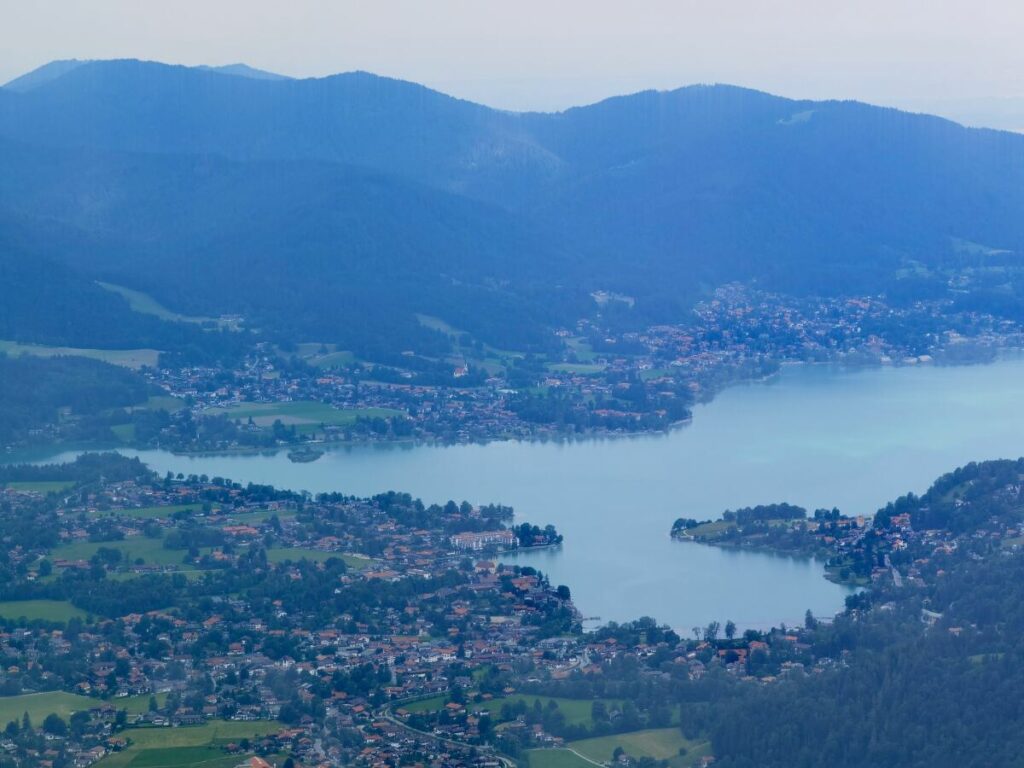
[[336, 209]]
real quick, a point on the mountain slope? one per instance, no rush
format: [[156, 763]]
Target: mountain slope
[[304, 249], [355, 118], [338, 205]]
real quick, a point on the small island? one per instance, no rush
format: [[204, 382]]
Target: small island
[[305, 454]]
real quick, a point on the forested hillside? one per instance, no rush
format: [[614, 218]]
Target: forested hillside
[[929, 676], [36, 394], [336, 209]]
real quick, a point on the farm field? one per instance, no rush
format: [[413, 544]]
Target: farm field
[[151, 551], [145, 513], [659, 743], [39, 705], [582, 349], [129, 358], [305, 415], [46, 610], [186, 747], [280, 554]]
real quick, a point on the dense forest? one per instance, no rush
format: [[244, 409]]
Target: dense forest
[[908, 695], [34, 392], [929, 675]]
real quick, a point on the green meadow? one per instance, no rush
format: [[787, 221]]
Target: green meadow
[[186, 747], [58, 611], [147, 513], [280, 554], [305, 415], [150, 551], [39, 705], [658, 743], [147, 305], [129, 358]]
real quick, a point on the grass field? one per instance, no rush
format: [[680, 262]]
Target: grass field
[[124, 432], [582, 349], [158, 402], [146, 513], [39, 705], [436, 324], [280, 554], [555, 758], [137, 705], [305, 415], [41, 486], [47, 610], [659, 743], [187, 747], [325, 355], [151, 551], [710, 530], [333, 360], [129, 358], [147, 305]]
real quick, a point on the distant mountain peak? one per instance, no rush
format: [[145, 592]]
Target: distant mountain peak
[[244, 70], [56, 69], [43, 74]]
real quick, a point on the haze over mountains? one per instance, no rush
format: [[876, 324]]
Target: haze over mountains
[[335, 209]]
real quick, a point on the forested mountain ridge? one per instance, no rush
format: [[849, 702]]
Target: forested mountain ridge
[[928, 671], [304, 247], [337, 208]]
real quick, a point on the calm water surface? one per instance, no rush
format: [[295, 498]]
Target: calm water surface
[[815, 436]]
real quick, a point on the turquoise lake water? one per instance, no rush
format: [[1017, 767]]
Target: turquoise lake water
[[816, 436]]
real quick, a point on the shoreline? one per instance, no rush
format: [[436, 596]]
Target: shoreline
[[38, 454], [818, 555]]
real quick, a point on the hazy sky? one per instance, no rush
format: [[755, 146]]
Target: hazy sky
[[960, 58]]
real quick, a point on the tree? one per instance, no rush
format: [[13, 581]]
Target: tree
[[79, 723], [730, 629], [55, 725], [711, 631]]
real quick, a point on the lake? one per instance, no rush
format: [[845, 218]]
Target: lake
[[816, 436]]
